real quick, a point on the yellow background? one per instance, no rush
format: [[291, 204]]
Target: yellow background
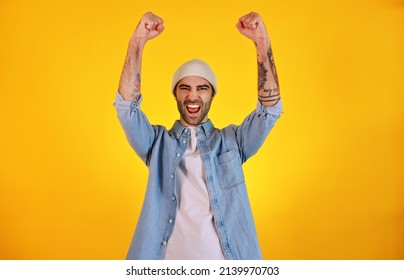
[[327, 184]]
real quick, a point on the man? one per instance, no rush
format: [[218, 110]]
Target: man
[[196, 204]]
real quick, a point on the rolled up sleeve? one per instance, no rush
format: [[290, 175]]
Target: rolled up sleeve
[[139, 132]]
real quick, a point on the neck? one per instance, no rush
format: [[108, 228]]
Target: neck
[[184, 123]]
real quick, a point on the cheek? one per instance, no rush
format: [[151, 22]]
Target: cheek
[[179, 96], [207, 98]]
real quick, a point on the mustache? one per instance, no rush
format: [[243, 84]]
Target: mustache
[[197, 102]]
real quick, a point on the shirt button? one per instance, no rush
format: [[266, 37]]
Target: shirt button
[[164, 243], [172, 176], [264, 117], [184, 141], [170, 221], [173, 198], [178, 154]]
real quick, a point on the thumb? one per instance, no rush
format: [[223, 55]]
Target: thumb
[[155, 31], [239, 26], [160, 28]]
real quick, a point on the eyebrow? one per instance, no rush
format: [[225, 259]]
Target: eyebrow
[[184, 86], [198, 86]]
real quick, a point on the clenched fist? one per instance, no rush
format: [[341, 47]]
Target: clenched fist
[[252, 26], [149, 27]]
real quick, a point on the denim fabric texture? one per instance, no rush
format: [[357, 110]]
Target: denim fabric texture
[[223, 152]]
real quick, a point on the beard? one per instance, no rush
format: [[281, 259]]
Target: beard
[[193, 119]]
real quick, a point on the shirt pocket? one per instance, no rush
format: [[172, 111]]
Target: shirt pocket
[[229, 170]]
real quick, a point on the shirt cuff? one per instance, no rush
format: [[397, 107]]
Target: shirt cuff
[[121, 103], [276, 110]]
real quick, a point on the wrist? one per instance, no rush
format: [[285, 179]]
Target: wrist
[[137, 43], [262, 49], [262, 43]]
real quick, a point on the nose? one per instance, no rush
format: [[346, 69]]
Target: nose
[[193, 95]]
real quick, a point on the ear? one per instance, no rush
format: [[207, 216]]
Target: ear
[[175, 91], [213, 90]]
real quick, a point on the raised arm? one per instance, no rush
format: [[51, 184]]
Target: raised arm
[[149, 27], [252, 26], [138, 130]]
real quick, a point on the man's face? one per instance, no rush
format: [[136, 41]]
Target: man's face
[[194, 96]]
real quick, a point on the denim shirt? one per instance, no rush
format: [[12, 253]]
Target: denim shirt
[[223, 151]]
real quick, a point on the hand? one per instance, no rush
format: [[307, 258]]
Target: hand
[[252, 26], [149, 27]]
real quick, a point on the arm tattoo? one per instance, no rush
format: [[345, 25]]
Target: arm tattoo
[[262, 75], [272, 64], [269, 97], [137, 86], [268, 94]]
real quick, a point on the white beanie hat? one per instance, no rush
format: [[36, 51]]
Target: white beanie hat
[[194, 67]]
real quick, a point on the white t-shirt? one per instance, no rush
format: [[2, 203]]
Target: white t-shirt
[[194, 236]]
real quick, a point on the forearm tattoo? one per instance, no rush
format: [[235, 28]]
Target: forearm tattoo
[[268, 94], [272, 64], [137, 86], [262, 75]]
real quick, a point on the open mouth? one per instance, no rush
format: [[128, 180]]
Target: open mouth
[[193, 108]]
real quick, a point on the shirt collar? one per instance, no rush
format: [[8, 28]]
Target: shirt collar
[[178, 129]]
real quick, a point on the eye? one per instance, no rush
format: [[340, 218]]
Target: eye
[[184, 88], [203, 88]]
